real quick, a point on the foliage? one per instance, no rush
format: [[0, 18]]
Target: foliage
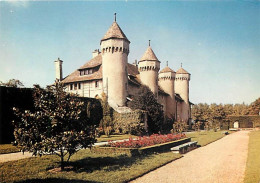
[[215, 114], [196, 126], [106, 124], [12, 83], [252, 173], [180, 126], [56, 126], [254, 108], [145, 100], [146, 141], [130, 123]]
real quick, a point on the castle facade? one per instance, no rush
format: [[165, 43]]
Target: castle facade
[[109, 72]]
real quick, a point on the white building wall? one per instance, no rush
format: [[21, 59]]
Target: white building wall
[[114, 61]]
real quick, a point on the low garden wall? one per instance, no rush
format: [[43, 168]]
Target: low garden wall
[[250, 121], [164, 147]]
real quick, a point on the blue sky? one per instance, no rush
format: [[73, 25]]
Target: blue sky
[[218, 42]]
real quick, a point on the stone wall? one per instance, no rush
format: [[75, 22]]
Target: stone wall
[[252, 121]]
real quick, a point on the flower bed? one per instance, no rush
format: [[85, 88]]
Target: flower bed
[[146, 141], [169, 142]]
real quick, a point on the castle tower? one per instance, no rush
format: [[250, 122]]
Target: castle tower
[[58, 69], [115, 50], [182, 79], [166, 82], [148, 66]]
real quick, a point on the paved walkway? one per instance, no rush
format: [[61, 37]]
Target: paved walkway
[[223, 161], [19, 155], [14, 156]]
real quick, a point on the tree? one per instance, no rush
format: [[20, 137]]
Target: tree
[[254, 107], [12, 83], [57, 125], [145, 100]]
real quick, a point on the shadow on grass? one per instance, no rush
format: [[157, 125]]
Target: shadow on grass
[[55, 180], [105, 163]]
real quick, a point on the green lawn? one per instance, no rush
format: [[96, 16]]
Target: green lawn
[[205, 137], [8, 148], [87, 166], [252, 173], [104, 138], [91, 167]]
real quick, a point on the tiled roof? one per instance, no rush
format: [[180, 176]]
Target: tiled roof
[[149, 55], [182, 71], [115, 32], [178, 97], [75, 76], [132, 69], [93, 62], [161, 91], [167, 69]]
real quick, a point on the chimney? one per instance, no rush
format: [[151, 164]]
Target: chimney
[[135, 63], [58, 69], [95, 53]]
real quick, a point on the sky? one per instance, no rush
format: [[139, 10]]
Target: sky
[[218, 42]]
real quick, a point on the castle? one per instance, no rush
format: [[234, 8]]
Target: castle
[[109, 72]]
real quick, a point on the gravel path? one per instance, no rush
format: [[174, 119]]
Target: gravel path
[[223, 161], [19, 155], [14, 156]]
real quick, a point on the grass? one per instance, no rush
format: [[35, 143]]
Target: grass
[[8, 148], [104, 138], [205, 137], [87, 167], [252, 173]]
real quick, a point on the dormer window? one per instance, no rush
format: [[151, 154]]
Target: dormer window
[[88, 71]]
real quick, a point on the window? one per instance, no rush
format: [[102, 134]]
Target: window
[[90, 71], [75, 86], [71, 86], [85, 72], [79, 86], [96, 84]]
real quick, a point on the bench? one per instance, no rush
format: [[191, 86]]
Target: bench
[[184, 147]]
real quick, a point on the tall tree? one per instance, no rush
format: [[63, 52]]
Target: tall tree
[[57, 125], [254, 107], [12, 83], [145, 100]]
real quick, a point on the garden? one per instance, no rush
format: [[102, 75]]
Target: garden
[[87, 166]]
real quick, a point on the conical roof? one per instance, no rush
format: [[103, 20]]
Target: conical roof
[[149, 55], [182, 71], [167, 69], [115, 32]]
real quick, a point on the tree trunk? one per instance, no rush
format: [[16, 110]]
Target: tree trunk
[[61, 160]]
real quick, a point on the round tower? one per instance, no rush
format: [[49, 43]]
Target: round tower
[[148, 66], [166, 82], [115, 50], [182, 79]]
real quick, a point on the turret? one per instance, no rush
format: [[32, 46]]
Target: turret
[[115, 50], [182, 79], [148, 66], [58, 69], [166, 82]]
